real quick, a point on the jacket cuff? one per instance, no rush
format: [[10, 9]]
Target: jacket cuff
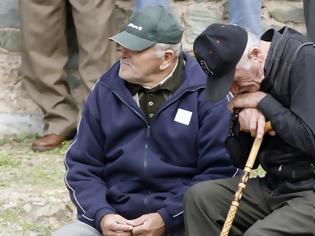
[[167, 218], [270, 107], [172, 223], [100, 214]]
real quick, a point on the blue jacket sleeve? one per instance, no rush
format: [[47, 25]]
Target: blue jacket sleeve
[[84, 163], [212, 158]]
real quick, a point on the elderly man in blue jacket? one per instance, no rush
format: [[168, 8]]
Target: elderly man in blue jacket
[[146, 135]]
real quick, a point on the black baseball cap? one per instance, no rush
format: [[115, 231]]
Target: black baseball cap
[[218, 49], [149, 26]]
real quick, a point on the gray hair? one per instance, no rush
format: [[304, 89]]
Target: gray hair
[[160, 49], [252, 41]]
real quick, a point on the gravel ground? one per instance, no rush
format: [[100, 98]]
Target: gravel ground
[[33, 198]]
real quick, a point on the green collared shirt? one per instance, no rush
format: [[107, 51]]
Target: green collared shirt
[[150, 100]]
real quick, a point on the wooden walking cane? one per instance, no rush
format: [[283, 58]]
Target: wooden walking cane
[[242, 184]]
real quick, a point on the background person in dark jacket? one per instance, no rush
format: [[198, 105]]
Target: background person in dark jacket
[[147, 133], [272, 79]]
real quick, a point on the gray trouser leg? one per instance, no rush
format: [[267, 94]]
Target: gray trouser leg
[[77, 228], [293, 214], [260, 213], [206, 205]]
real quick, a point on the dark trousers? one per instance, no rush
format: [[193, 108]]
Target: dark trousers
[[261, 213], [309, 13]]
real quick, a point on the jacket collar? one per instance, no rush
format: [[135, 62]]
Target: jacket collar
[[192, 78]]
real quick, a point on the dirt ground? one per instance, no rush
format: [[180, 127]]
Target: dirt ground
[[33, 198]]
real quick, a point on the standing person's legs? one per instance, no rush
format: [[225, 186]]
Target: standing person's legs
[[206, 206], [246, 13], [149, 3], [77, 228], [309, 14], [94, 25], [44, 56], [293, 214]]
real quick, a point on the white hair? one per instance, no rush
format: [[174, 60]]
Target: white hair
[[252, 41], [160, 49]]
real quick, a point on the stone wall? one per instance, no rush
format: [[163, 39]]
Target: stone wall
[[18, 113]]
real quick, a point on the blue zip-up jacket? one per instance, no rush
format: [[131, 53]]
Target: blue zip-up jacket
[[119, 163]]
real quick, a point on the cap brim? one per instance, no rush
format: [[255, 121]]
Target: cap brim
[[218, 88], [131, 41]]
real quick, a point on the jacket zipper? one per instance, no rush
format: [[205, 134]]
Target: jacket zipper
[[146, 145], [148, 134], [145, 165]]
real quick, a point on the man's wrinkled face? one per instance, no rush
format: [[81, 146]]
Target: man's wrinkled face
[[247, 80], [138, 67]]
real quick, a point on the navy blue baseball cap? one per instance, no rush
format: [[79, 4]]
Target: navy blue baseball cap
[[218, 49]]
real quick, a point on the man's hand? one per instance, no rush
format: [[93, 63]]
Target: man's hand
[[148, 225], [253, 121], [115, 225], [245, 100], [250, 119]]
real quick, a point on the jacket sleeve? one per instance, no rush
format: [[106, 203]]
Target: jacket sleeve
[[296, 124], [85, 163], [212, 159]]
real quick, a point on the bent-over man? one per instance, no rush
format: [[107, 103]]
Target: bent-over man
[[272, 79]]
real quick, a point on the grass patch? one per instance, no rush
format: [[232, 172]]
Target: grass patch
[[258, 172], [24, 138], [37, 228], [60, 150], [21, 165], [9, 215], [36, 172], [8, 160]]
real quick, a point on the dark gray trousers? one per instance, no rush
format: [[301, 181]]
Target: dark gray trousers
[[261, 213]]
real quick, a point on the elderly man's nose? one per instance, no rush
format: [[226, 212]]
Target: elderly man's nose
[[124, 51]]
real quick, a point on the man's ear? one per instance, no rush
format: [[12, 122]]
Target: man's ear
[[255, 53], [167, 59]]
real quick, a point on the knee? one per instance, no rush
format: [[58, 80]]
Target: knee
[[192, 194], [198, 194]]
